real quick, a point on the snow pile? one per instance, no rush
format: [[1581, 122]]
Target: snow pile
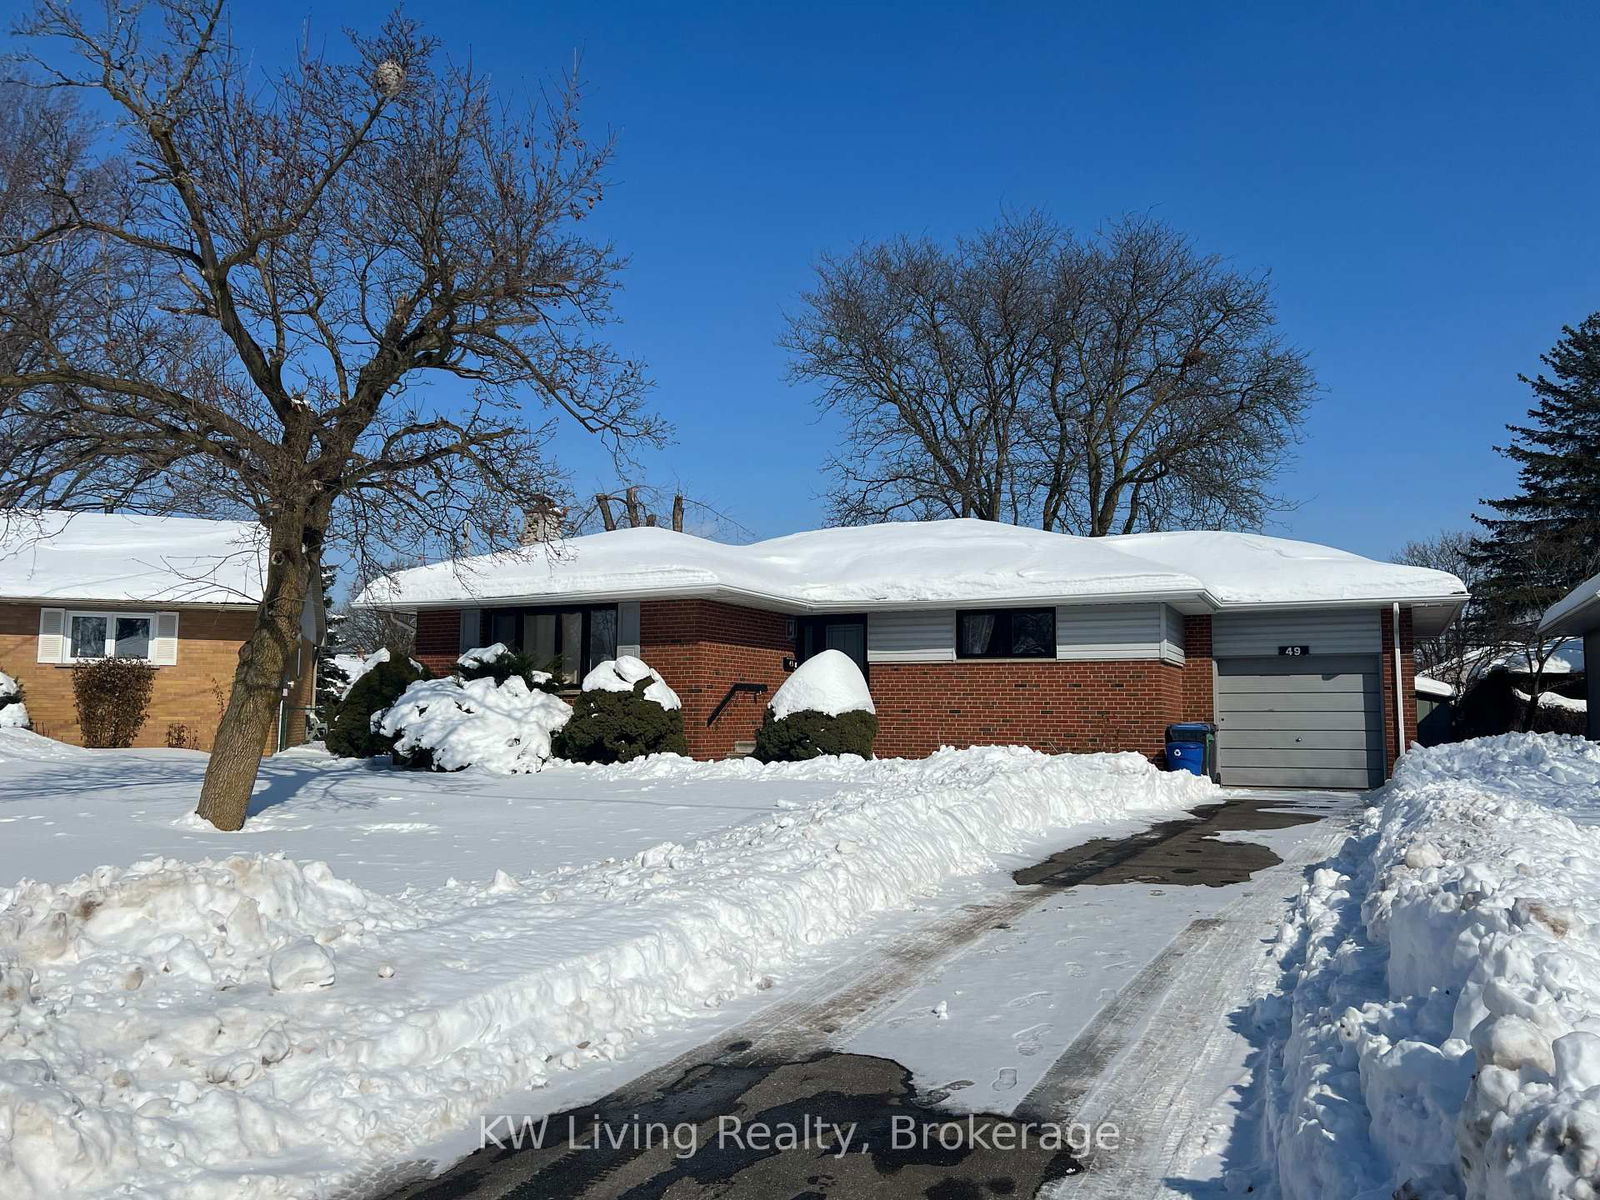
[[13, 712], [621, 673], [828, 683], [453, 723], [139, 1030], [1439, 1029], [256, 1027]]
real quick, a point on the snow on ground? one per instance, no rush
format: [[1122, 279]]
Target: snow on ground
[[259, 1025], [829, 682], [1438, 1033]]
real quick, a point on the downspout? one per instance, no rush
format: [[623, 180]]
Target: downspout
[[1399, 686]]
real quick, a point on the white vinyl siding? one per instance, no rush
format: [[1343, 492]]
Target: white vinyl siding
[[1092, 632], [920, 635], [1084, 633], [628, 628], [1332, 631], [1172, 644]]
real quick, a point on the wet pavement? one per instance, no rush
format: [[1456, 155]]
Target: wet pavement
[[1187, 852], [779, 1113]]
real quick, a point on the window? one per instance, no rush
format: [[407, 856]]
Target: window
[[569, 643], [1006, 633], [108, 635]]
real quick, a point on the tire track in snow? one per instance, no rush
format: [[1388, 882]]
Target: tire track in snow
[[1144, 1063]]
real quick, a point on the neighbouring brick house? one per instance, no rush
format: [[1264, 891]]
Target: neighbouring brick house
[[178, 592], [976, 633]]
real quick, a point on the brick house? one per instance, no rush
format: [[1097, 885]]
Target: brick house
[[975, 633], [177, 592]]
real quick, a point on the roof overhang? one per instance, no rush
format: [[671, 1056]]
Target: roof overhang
[[1576, 613], [1430, 614], [167, 603]]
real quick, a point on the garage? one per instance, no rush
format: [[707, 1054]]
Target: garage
[[1311, 721]]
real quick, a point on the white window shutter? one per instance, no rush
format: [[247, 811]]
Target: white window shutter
[[164, 646], [52, 634]]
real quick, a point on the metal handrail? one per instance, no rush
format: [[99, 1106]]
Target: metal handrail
[[755, 689]]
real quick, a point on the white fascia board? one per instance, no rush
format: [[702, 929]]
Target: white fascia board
[[1189, 602], [763, 600], [165, 603]]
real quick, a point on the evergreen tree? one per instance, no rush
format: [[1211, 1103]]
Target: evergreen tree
[[1545, 540], [333, 681]]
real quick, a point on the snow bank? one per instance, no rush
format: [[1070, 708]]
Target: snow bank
[[13, 712], [828, 683], [1439, 1029], [146, 1044], [457, 723], [621, 673]]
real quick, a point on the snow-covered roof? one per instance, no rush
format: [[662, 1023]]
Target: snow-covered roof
[[1576, 612], [927, 563], [1437, 688], [121, 558]]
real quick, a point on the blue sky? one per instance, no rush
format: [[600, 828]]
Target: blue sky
[[1420, 179]]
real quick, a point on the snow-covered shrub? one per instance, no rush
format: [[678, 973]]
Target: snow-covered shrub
[[823, 708], [13, 712], [450, 724], [112, 696], [625, 711], [351, 733], [500, 662]]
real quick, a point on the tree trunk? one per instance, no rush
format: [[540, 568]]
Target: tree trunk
[[257, 683]]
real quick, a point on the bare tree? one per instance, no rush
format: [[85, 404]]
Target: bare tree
[[647, 505], [1452, 656], [1107, 385], [1486, 636], [230, 297]]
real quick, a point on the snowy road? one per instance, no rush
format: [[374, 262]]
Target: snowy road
[[1101, 989]]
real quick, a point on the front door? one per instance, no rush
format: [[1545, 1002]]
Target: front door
[[847, 634]]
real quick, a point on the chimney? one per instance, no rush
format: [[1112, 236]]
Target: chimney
[[542, 521]]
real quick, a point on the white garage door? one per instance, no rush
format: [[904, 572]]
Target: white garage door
[[1313, 721]]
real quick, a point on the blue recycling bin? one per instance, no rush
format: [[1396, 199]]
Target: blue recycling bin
[[1192, 747]]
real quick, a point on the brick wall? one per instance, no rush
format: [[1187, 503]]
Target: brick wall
[[1053, 706], [1199, 676], [191, 693], [1408, 675], [701, 648], [438, 639]]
